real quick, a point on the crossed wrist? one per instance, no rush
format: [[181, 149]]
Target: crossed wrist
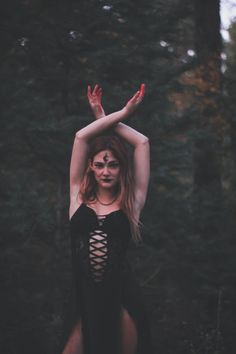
[[127, 110], [98, 110]]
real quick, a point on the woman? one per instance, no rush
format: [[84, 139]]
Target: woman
[[106, 199]]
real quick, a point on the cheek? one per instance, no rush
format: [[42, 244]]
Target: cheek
[[97, 173], [117, 174]]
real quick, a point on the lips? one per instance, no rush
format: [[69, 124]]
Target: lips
[[106, 180]]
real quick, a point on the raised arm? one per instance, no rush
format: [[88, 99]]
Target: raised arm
[[83, 137], [139, 141]]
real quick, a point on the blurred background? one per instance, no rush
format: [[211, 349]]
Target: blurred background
[[186, 56]]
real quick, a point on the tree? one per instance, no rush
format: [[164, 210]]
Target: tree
[[209, 122]]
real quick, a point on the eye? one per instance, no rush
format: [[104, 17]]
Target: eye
[[113, 164], [98, 165]]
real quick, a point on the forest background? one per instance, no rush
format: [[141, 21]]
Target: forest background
[[50, 52]]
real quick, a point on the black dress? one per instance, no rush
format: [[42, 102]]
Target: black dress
[[104, 282]]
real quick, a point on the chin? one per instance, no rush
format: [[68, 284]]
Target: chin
[[107, 185]]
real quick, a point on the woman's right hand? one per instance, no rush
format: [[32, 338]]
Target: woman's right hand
[[95, 101], [134, 102]]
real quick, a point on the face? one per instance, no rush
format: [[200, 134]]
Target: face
[[106, 169]]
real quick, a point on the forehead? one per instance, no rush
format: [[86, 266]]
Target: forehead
[[104, 155]]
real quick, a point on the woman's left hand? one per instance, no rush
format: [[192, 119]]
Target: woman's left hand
[[134, 102]]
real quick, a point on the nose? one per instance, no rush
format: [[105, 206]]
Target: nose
[[106, 170]]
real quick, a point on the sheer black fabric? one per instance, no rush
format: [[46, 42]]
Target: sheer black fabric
[[104, 283]]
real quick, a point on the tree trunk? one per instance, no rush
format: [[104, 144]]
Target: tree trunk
[[209, 124]]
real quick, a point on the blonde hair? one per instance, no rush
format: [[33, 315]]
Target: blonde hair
[[125, 190]]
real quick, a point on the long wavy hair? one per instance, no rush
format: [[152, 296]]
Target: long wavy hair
[[124, 189]]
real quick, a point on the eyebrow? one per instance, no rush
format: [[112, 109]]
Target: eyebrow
[[100, 164], [101, 161]]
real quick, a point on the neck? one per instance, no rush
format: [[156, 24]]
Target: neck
[[105, 195]]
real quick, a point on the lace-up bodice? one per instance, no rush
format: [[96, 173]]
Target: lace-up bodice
[[98, 250], [99, 242]]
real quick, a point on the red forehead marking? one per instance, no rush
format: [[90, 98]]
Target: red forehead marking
[[106, 157]]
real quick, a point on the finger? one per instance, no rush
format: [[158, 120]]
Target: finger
[[94, 90], [89, 91], [133, 99], [100, 92], [142, 89], [136, 95], [141, 92]]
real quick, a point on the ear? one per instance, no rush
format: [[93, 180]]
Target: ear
[[90, 165]]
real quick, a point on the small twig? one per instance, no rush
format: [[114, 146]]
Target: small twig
[[151, 276]]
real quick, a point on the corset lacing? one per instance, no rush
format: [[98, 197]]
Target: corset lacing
[[98, 251]]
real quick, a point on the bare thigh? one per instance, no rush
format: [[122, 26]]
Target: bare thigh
[[74, 344], [129, 337], [128, 334]]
